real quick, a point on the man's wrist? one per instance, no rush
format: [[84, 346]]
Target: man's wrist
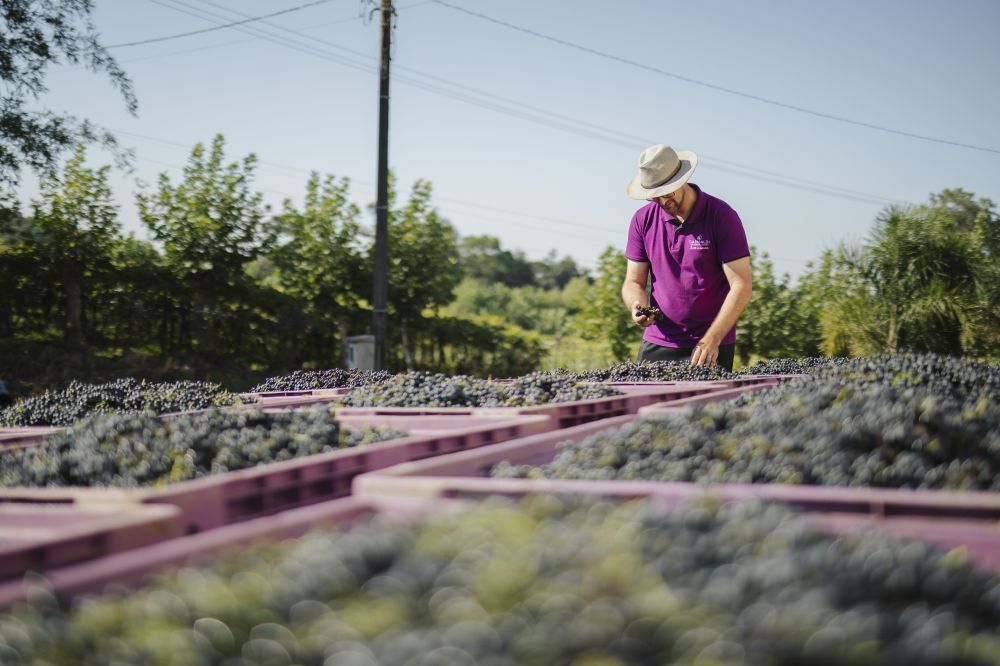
[[711, 339]]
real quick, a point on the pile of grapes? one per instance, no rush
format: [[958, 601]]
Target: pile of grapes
[[308, 380], [547, 581], [792, 366], [129, 450], [62, 408], [425, 389], [656, 371], [904, 421]]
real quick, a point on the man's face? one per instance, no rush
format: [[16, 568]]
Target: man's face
[[672, 202]]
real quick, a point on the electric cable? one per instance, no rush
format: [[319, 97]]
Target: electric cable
[[712, 86]]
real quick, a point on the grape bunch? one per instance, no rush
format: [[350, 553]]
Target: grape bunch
[[307, 380], [890, 427], [425, 389], [546, 581], [652, 311], [656, 371], [129, 450], [62, 408]]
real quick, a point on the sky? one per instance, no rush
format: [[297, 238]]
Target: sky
[[528, 117]]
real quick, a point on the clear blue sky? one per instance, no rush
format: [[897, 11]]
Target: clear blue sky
[[534, 141]]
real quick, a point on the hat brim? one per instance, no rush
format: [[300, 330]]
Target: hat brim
[[688, 163]]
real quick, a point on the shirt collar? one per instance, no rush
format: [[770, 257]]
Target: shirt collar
[[696, 213]]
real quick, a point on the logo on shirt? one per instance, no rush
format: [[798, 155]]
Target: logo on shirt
[[700, 243]]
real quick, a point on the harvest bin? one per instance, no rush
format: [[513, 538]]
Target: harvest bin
[[218, 500], [37, 537], [131, 566], [25, 436], [945, 518], [565, 414]]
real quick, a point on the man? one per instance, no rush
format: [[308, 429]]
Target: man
[[693, 248]]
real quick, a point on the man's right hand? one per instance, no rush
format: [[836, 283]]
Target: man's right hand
[[641, 320]]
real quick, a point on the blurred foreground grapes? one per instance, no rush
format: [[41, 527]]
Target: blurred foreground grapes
[[146, 450], [542, 582]]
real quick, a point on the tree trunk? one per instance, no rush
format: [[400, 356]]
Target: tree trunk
[[344, 347], [202, 327], [73, 290], [6, 321], [407, 355], [892, 339]]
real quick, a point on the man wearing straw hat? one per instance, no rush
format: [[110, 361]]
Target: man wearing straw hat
[[693, 250]]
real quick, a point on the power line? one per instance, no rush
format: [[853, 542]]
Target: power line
[[513, 108], [704, 84], [220, 27]]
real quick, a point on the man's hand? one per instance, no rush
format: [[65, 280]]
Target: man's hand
[[641, 320], [706, 352]]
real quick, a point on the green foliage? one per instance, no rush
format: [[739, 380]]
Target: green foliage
[[481, 258], [76, 226], [37, 34], [530, 308], [603, 316], [485, 346], [922, 281], [423, 256], [211, 223], [75, 216], [319, 260], [555, 273], [772, 325]]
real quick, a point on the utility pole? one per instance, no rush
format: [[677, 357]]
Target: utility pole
[[380, 287]]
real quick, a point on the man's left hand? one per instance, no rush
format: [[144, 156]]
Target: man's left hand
[[706, 352]]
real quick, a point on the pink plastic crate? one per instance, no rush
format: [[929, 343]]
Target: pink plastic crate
[[214, 501], [25, 436], [705, 398], [38, 537], [971, 519], [130, 567], [562, 414]]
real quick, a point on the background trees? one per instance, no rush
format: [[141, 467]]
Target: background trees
[[211, 225], [319, 262], [924, 280], [228, 291]]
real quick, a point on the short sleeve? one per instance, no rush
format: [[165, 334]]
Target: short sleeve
[[636, 247], [731, 239]]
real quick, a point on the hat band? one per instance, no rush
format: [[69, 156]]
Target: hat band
[[665, 180]]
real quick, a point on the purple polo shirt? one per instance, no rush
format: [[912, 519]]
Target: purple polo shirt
[[685, 266]]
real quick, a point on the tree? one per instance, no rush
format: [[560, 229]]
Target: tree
[[482, 258], [423, 260], [916, 284], [320, 261], [554, 273], [602, 315], [78, 225], [771, 326], [529, 308], [35, 35], [977, 220], [211, 225]]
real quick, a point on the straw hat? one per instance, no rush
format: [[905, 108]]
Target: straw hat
[[662, 170]]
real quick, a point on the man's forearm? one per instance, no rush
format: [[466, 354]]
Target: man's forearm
[[732, 307], [632, 292]]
